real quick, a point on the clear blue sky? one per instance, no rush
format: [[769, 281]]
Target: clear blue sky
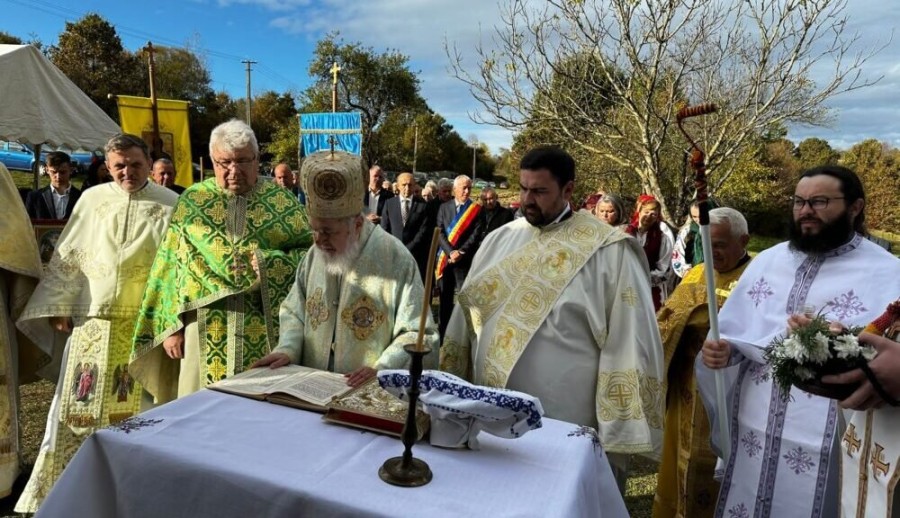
[[280, 36]]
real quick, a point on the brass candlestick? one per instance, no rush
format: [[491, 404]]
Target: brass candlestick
[[407, 471]]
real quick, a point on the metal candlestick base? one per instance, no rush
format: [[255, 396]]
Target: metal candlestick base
[[406, 471]]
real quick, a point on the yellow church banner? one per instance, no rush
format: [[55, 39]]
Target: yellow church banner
[[136, 117]]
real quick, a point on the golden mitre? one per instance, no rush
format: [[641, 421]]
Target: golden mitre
[[334, 183]]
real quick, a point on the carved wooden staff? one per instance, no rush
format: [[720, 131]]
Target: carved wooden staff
[[698, 163]]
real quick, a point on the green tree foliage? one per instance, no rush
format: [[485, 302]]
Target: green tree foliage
[[90, 53], [382, 88], [285, 143], [814, 152], [878, 166], [371, 83], [8, 39], [268, 112], [181, 73]]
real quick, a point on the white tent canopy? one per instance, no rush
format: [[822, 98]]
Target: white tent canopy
[[40, 105]]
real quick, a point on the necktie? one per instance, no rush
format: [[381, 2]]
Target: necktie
[[404, 211], [459, 208]]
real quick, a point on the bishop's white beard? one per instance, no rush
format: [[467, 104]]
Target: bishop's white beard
[[342, 263]]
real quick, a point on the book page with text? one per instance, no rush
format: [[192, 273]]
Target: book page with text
[[259, 381], [318, 387]]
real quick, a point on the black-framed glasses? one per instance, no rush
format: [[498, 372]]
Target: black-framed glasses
[[240, 163], [815, 203]]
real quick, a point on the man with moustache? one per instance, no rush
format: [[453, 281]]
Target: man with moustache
[[493, 215], [376, 195], [227, 261], [557, 305], [347, 312], [92, 290], [164, 174], [784, 458], [408, 219], [685, 484]]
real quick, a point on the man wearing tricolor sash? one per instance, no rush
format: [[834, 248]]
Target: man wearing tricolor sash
[[460, 230], [558, 305]]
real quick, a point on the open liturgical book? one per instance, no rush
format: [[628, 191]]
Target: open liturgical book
[[291, 385]]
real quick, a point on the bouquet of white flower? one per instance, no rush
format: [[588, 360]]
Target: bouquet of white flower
[[808, 352]]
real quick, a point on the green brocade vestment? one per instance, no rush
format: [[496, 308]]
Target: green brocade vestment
[[204, 266]]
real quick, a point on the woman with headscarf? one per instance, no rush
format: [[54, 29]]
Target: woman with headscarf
[[656, 238]]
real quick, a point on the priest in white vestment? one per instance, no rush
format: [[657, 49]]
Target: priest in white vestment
[[870, 444], [783, 459], [92, 289], [557, 305], [357, 297]]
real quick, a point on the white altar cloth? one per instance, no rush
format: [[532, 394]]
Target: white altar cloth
[[217, 455]]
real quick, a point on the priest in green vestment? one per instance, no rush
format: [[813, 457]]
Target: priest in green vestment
[[92, 290], [685, 484], [20, 270], [227, 261], [358, 295]]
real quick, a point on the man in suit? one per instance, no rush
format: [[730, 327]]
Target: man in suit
[[163, 173], [376, 195], [57, 200], [493, 215], [408, 219], [460, 226], [286, 178]]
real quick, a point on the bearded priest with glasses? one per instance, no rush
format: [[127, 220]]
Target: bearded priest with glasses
[[226, 263]]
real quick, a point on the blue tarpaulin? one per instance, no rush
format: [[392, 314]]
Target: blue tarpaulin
[[316, 128]]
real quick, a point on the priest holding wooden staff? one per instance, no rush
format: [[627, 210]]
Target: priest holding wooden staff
[[358, 296]]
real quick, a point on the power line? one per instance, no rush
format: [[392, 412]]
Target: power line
[[67, 13]]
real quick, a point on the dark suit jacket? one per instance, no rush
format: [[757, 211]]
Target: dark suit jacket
[[416, 235], [382, 199], [494, 219], [468, 241], [39, 204]]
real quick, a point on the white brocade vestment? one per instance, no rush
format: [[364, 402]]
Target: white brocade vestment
[[783, 460], [564, 313], [368, 316]]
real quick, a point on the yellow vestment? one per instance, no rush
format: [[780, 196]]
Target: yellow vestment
[[685, 484]]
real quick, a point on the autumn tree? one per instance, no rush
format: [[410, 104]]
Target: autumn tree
[[878, 166], [91, 55], [370, 83], [650, 57], [814, 152]]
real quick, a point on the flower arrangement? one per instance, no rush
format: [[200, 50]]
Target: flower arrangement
[[810, 351]]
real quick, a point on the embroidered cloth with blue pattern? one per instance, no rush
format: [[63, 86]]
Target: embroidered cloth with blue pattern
[[459, 409]]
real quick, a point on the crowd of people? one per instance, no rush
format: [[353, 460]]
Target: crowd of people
[[152, 294]]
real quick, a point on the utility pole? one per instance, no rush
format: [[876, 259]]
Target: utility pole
[[415, 147], [473, 141], [248, 63]]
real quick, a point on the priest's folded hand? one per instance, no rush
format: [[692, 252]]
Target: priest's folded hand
[[272, 360], [360, 376]]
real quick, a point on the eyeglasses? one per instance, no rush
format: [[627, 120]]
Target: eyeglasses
[[240, 163], [815, 203]]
